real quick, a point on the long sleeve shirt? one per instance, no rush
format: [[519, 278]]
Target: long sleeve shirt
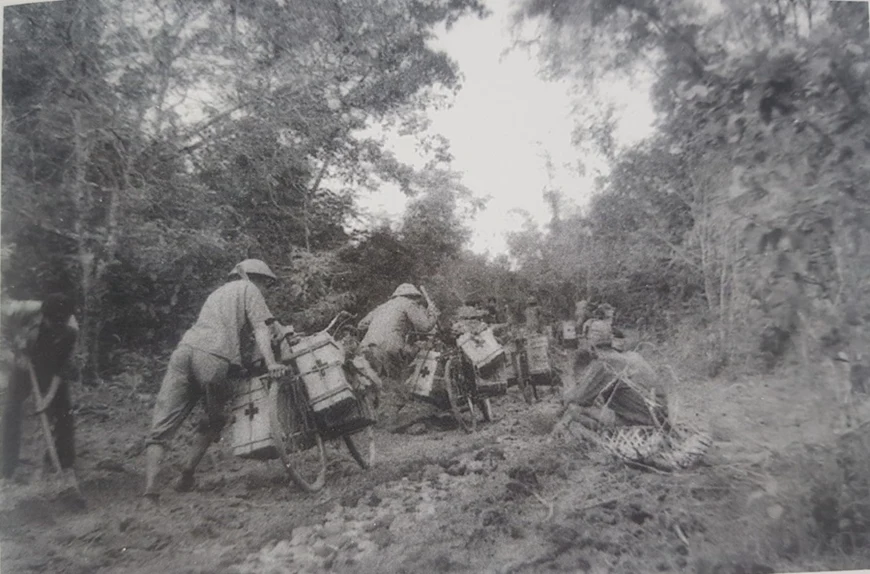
[[388, 324]]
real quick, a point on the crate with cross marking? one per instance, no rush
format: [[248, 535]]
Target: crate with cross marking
[[320, 362], [428, 377], [250, 431], [480, 348]]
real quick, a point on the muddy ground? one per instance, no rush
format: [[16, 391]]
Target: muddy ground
[[505, 499]]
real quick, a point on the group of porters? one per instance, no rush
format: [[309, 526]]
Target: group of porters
[[488, 357], [333, 391], [313, 388], [475, 362], [464, 375]]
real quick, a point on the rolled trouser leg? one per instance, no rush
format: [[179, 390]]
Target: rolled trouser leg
[[376, 359], [177, 397], [385, 365], [210, 372]]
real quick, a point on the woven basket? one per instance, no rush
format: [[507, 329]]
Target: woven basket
[[635, 443], [655, 447]]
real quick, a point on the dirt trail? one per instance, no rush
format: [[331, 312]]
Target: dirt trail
[[500, 500]]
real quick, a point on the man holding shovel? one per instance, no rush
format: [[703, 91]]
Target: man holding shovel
[[42, 336]]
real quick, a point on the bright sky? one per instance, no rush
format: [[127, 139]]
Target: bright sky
[[501, 126], [502, 122]]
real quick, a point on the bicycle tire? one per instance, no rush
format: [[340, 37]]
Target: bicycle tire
[[459, 398], [364, 457], [525, 380], [486, 410], [287, 415]]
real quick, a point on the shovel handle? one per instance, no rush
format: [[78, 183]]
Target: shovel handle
[[46, 426]]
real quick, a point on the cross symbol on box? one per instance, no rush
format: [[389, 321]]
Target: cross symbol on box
[[251, 410], [320, 366], [424, 371], [864, 1]]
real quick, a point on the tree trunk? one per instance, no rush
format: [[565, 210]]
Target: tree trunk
[[81, 199], [90, 325], [92, 266], [309, 195]]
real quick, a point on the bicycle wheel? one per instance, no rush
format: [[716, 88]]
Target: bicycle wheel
[[460, 399], [524, 378], [299, 444], [364, 457], [486, 408]]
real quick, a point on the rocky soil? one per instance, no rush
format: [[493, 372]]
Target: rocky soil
[[504, 499]]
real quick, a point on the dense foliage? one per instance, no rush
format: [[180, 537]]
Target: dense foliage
[[149, 146], [750, 203]]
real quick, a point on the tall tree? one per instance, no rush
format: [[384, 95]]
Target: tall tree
[[137, 132], [759, 106]]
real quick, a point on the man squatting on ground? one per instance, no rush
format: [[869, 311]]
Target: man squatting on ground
[[42, 335], [199, 366], [388, 325]]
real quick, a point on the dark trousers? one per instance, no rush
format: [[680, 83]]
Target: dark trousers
[[60, 417]]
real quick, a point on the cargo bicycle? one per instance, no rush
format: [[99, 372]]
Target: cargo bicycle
[[530, 365], [444, 376], [326, 395]]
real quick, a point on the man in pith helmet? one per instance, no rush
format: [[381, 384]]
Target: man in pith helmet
[[199, 366], [388, 325]]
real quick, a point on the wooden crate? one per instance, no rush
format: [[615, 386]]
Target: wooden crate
[[481, 348], [428, 377], [250, 432], [538, 354], [321, 365]]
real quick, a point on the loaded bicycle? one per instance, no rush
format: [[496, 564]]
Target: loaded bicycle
[[448, 376], [325, 395], [530, 364]]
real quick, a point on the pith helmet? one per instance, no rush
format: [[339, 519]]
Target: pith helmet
[[253, 267], [406, 290]]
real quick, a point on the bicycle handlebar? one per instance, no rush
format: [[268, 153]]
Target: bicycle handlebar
[[302, 334]]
